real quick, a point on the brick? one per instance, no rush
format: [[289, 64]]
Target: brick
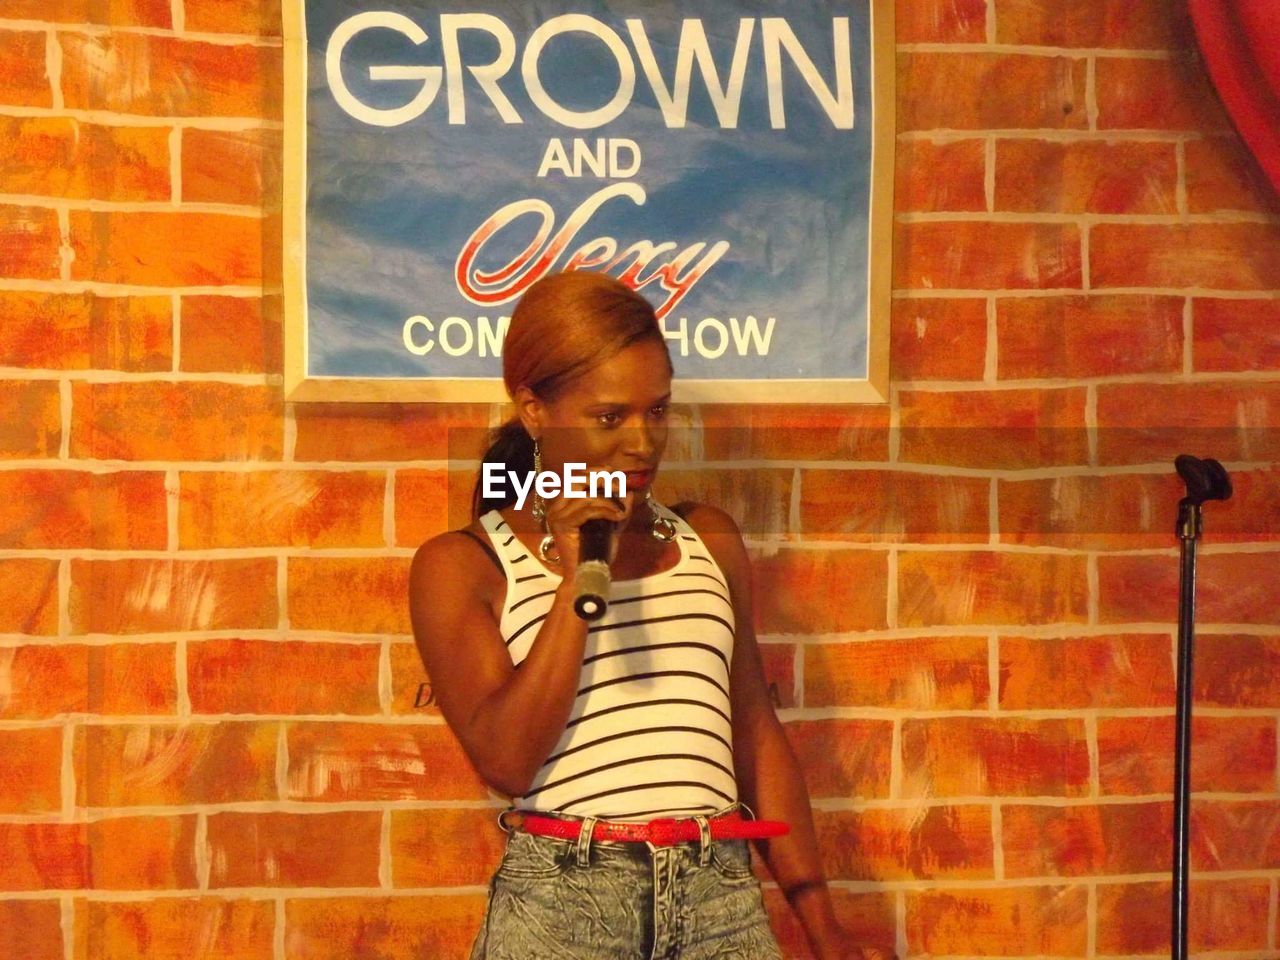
[[1237, 670], [1221, 915], [79, 331], [1223, 175], [990, 91], [941, 21], [62, 157], [980, 255], [1075, 337], [1066, 673], [1014, 921], [66, 509], [1233, 754], [990, 587], [843, 758], [118, 853], [174, 928], [411, 691], [1217, 256], [352, 595], [1235, 834], [23, 82], [29, 596], [1104, 512], [893, 506], [30, 243], [1008, 757], [423, 499], [242, 676], [390, 431], [828, 591], [922, 673], [116, 13], [940, 176], [43, 856], [142, 853], [31, 929], [30, 770], [390, 928], [993, 429], [938, 339], [252, 17], [1230, 588], [265, 508], [1156, 94], [794, 432], [929, 843], [444, 847], [1126, 24], [175, 763], [458, 498], [869, 919], [232, 334], [1084, 841], [759, 499], [252, 849], [1253, 512], [1235, 335], [168, 249], [30, 419], [232, 166], [1153, 423], [42, 680], [156, 596], [176, 421], [339, 762], [131, 679], [1043, 176], [169, 77]]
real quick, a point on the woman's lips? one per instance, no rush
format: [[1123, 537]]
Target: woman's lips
[[639, 479]]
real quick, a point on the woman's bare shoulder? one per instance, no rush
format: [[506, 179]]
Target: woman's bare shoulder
[[707, 519], [460, 557]]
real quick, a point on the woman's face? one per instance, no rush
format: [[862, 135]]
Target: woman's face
[[614, 417]]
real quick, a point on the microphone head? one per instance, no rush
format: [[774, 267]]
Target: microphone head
[[1205, 479], [591, 589]]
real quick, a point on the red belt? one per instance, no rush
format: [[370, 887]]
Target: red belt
[[661, 832]]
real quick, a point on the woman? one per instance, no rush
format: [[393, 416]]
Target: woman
[[642, 750]]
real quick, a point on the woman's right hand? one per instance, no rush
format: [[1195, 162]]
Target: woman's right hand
[[566, 515]]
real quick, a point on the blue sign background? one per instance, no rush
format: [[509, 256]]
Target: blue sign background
[[389, 208]]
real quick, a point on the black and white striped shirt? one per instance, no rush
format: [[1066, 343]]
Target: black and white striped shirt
[[650, 733]]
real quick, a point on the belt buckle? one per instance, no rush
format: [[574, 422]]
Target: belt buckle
[[662, 831]]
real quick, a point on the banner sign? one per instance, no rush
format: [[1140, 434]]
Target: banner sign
[[731, 160]]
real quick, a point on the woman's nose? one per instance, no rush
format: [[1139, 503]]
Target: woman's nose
[[641, 441]]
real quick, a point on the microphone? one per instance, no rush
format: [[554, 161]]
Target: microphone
[[591, 578], [1205, 479]]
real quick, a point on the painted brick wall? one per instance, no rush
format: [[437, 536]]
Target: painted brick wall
[[210, 743]]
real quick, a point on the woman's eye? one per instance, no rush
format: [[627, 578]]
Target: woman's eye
[[608, 419], [659, 411]]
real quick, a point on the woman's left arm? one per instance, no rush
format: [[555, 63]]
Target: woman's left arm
[[769, 778]]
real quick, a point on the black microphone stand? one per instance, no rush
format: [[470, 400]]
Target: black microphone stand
[[1205, 480]]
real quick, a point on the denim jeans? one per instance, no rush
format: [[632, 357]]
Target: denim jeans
[[587, 899]]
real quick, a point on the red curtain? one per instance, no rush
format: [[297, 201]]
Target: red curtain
[[1240, 40]]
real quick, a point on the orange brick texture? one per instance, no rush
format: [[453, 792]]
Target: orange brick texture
[[217, 739]]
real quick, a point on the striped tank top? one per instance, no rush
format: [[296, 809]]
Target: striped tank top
[[650, 733]]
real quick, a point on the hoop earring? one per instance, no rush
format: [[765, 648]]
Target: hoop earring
[[662, 529], [547, 549]]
